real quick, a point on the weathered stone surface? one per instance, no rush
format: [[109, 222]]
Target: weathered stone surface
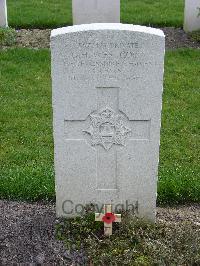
[[192, 15], [107, 98], [3, 14], [96, 11]]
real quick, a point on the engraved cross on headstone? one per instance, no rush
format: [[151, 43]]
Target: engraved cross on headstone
[[198, 15], [106, 129]]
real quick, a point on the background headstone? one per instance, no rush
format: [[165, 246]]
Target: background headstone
[[192, 15], [96, 11], [3, 14], [107, 97]]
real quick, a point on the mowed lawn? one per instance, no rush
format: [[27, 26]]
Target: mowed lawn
[[26, 142], [51, 13]]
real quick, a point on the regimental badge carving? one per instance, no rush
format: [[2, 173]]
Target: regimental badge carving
[[107, 128]]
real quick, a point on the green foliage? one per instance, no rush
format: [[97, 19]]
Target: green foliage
[[134, 242], [26, 142], [50, 13], [7, 36], [195, 35]]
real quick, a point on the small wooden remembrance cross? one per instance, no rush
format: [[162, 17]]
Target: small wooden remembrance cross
[[108, 218]]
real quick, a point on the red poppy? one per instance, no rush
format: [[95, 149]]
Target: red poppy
[[108, 218]]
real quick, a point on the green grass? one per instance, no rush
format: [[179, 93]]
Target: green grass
[[26, 156], [153, 12], [179, 175], [39, 13], [26, 144], [51, 13]]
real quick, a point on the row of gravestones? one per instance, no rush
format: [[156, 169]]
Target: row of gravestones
[[89, 11], [107, 81]]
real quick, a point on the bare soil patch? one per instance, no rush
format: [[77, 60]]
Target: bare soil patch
[[27, 231], [36, 38]]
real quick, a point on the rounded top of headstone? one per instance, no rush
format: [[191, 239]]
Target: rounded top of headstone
[[106, 26]]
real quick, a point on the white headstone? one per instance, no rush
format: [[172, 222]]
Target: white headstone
[[192, 15], [3, 14], [107, 98], [95, 11]]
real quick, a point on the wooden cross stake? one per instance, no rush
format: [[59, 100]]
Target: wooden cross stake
[[108, 218]]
